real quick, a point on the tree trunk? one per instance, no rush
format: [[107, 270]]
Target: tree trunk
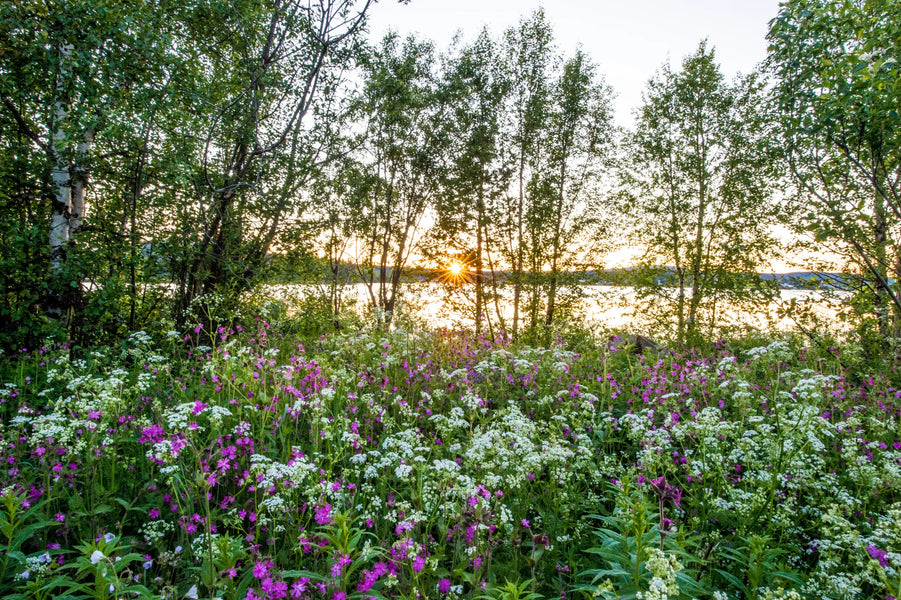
[[680, 271], [680, 307], [896, 321], [881, 299], [698, 248], [555, 250], [480, 215], [69, 177], [535, 276], [59, 214], [61, 208], [387, 308], [502, 322], [136, 190], [517, 273]]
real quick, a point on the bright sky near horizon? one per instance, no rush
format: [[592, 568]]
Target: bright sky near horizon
[[629, 40]]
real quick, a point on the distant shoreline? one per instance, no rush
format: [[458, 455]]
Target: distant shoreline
[[794, 280]]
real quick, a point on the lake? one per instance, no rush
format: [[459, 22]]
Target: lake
[[599, 306]]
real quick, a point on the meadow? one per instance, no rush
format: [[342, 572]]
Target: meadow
[[244, 464], [222, 220]]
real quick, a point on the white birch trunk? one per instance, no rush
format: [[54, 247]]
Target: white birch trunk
[[62, 202], [69, 176]]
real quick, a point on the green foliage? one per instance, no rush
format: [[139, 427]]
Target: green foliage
[[182, 128], [23, 288], [836, 65], [104, 570], [629, 540], [19, 522], [628, 533], [754, 563], [696, 182], [511, 590]]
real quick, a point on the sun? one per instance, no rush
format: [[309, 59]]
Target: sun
[[454, 272]]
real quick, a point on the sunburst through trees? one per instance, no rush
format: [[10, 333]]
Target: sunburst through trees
[[456, 272]]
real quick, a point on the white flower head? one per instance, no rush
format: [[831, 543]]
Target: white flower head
[[192, 593], [97, 556]]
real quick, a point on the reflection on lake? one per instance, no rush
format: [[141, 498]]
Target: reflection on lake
[[598, 306]]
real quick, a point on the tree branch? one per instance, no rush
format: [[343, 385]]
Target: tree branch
[[24, 126]]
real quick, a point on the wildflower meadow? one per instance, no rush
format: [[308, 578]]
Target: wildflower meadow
[[243, 464], [393, 300]]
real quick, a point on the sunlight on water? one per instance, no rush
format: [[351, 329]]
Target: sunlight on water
[[600, 306]]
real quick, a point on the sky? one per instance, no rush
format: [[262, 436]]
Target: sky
[[628, 39]]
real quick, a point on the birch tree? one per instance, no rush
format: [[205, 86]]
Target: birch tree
[[478, 176], [80, 74], [697, 183], [837, 66], [580, 138], [401, 162], [530, 60], [258, 147]]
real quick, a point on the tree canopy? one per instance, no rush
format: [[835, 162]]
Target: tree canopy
[[160, 160]]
